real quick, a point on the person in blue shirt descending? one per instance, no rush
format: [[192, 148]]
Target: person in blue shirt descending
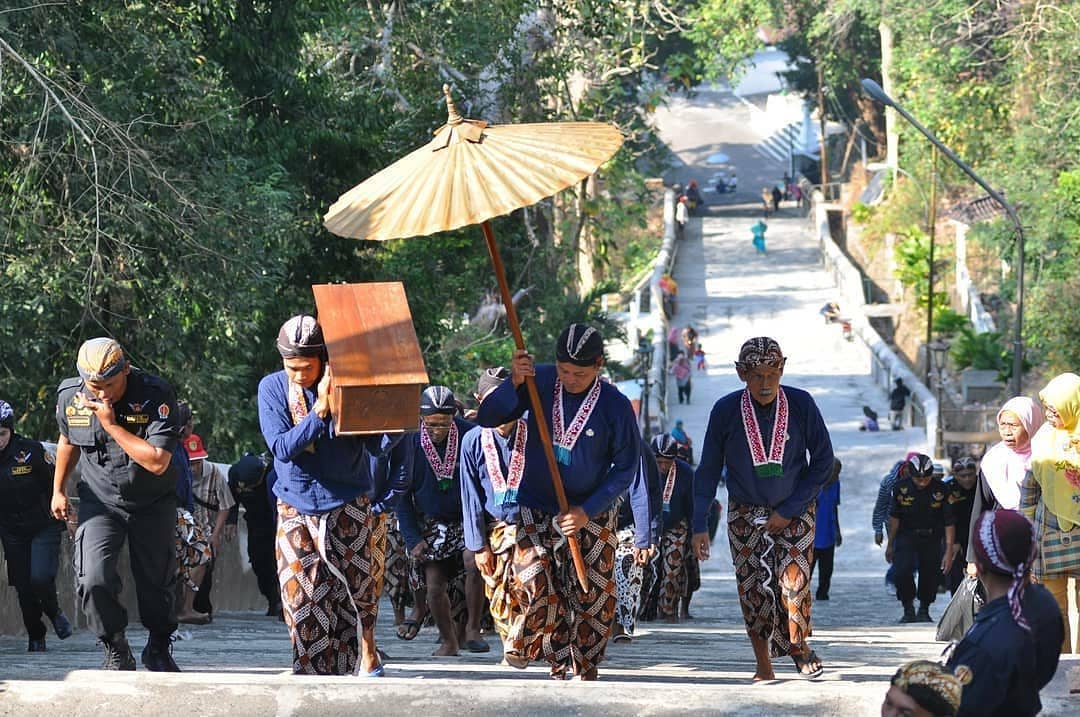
[[329, 556], [597, 444]]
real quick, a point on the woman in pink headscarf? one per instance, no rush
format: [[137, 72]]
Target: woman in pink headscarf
[[1004, 466]]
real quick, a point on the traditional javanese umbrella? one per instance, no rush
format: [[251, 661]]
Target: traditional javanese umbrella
[[469, 173]]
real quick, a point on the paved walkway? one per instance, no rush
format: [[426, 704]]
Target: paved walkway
[[237, 666]]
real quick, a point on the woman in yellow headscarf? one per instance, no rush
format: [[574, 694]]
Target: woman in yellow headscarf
[[1051, 497]]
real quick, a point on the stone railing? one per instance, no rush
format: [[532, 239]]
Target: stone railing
[[234, 585], [885, 365]]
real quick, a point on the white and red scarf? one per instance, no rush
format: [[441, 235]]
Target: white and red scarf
[[771, 465], [565, 437], [505, 486], [442, 467], [669, 486]]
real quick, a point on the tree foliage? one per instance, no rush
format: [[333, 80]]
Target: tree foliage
[[166, 166]]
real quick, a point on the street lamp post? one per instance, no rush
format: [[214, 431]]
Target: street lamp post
[[874, 90], [939, 351], [645, 355]]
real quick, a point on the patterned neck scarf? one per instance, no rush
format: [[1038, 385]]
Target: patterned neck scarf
[[505, 486], [669, 487], [298, 409], [442, 467], [771, 465], [565, 437]]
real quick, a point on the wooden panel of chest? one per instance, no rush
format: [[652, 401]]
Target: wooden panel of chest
[[374, 355]]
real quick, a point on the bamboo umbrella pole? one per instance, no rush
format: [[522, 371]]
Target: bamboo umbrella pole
[[534, 399]]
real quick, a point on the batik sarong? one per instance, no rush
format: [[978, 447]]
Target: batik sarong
[[445, 541], [396, 571], [674, 546], [330, 569], [192, 547], [773, 576], [627, 581], [499, 586], [564, 625]]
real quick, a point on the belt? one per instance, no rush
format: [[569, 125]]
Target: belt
[[923, 532]]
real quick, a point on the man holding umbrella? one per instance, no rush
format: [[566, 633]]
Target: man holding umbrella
[[597, 445]]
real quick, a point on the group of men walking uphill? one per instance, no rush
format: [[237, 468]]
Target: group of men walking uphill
[[462, 515]]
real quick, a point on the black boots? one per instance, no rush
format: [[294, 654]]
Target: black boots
[[157, 655], [118, 653], [909, 614]]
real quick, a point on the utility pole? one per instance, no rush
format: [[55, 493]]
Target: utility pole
[[824, 137], [931, 220]]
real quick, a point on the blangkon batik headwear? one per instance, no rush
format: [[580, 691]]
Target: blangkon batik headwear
[[100, 359], [664, 446], [7, 415], [437, 399], [580, 345], [932, 685], [490, 380], [301, 337], [760, 351]]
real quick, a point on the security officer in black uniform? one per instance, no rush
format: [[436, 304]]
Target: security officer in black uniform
[[30, 535], [119, 423], [961, 497], [920, 515], [251, 480]]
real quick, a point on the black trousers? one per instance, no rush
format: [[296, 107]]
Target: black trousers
[[32, 560], [260, 550], [202, 603], [914, 552], [958, 569], [824, 557], [684, 392], [150, 532]]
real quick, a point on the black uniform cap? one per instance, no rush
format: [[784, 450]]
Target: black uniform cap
[[920, 466]]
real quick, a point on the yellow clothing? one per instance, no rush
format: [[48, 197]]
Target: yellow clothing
[[1055, 452]]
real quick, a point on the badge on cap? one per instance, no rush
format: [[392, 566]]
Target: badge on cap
[[163, 411]]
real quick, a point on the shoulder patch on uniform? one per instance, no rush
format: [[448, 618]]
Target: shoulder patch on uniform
[[73, 382], [163, 411]]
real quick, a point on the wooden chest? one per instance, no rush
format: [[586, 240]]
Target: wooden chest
[[374, 355]]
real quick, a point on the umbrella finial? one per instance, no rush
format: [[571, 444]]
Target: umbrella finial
[[454, 117]]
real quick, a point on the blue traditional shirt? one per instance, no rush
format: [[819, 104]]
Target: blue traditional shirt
[[725, 445], [826, 527], [604, 460], [422, 498], [314, 482], [1008, 664], [642, 508], [478, 497]]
